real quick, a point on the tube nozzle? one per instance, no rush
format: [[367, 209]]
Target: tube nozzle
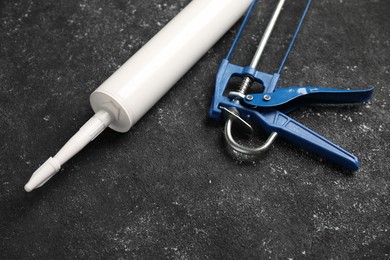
[[89, 131]]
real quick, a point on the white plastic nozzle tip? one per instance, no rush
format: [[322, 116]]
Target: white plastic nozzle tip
[[89, 131], [28, 187], [43, 174]]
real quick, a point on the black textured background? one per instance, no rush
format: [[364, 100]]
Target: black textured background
[[170, 188]]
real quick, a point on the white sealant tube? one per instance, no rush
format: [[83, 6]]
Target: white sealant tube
[[135, 87]]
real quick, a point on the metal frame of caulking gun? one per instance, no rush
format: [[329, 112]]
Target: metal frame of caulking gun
[[269, 108]]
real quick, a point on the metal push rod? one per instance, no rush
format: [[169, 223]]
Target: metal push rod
[[247, 81], [266, 35]]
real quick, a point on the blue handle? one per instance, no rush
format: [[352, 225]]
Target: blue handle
[[285, 100], [288, 99], [286, 127]]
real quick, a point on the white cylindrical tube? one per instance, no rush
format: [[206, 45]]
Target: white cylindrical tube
[[134, 88]]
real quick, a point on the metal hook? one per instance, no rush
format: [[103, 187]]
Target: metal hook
[[232, 117]]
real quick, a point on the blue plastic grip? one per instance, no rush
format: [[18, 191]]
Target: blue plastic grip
[[291, 130], [288, 99]]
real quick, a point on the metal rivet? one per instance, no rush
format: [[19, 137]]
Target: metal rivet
[[267, 97], [249, 97]]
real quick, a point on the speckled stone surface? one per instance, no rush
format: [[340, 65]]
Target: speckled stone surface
[[170, 188]]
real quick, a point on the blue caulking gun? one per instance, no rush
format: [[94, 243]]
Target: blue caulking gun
[[269, 109]]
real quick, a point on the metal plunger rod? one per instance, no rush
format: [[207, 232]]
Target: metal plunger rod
[[267, 34], [256, 58]]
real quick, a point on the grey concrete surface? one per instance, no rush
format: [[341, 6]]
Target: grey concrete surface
[[170, 188]]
